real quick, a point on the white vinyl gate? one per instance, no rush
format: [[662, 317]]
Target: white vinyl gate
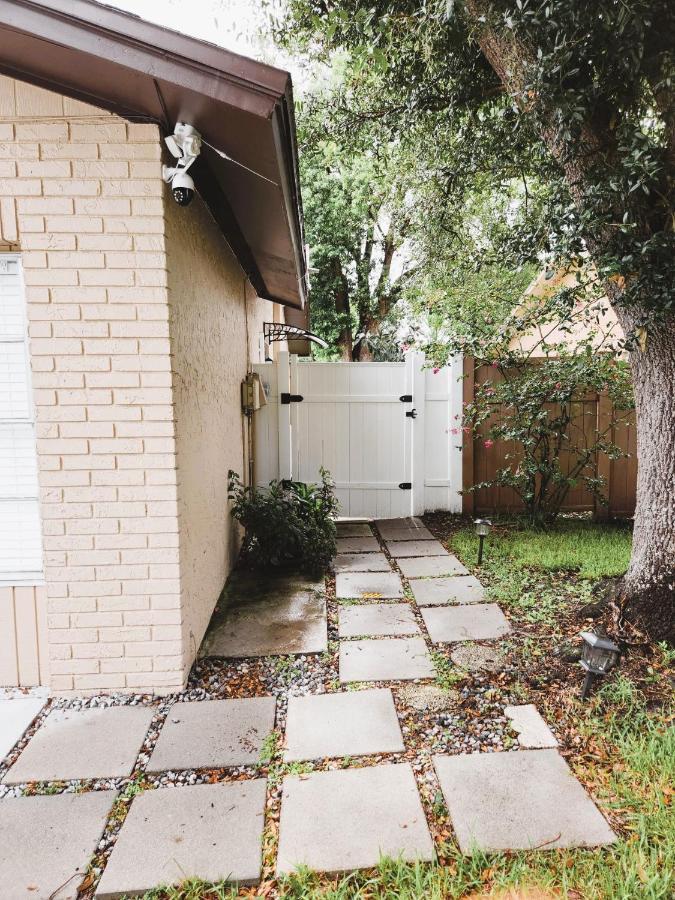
[[383, 430]]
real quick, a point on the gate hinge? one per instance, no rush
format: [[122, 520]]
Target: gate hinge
[[412, 414], [406, 398], [406, 485], [290, 398]]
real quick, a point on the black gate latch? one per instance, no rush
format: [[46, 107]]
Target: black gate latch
[[412, 414], [406, 485], [405, 398], [290, 398]]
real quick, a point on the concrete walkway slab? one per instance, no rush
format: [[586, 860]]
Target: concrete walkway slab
[[450, 589], [347, 819], [405, 549], [533, 732], [213, 733], [47, 842], [357, 545], [431, 566], [475, 622], [83, 743], [16, 714], [389, 659], [406, 533], [518, 801], [368, 584], [268, 616], [346, 724], [208, 831], [353, 529], [361, 562], [405, 522], [377, 620]]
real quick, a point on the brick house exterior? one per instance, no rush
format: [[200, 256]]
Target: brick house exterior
[[141, 324]]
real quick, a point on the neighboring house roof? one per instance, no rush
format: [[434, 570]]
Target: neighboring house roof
[[594, 317], [143, 72]]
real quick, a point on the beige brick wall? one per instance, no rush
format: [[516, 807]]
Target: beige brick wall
[[83, 201]]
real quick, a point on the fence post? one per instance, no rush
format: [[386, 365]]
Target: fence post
[[603, 464], [284, 419], [418, 433], [468, 474]]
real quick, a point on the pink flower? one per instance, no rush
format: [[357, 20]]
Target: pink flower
[[558, 385], [466, 429], [495, 363], [436, 370], [405, 347], [454, 431], [487, 444]]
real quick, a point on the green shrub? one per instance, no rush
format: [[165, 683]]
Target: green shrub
[[288, 524]]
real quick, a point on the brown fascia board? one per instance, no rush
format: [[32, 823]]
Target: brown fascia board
[[126, 65]]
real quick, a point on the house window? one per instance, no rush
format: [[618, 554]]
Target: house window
[[20, 540]]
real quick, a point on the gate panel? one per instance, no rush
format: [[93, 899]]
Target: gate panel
[[352, 422]]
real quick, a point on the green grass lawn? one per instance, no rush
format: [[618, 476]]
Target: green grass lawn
[[590, 550]]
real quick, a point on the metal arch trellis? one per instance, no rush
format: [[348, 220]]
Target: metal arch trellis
[[275, 331]]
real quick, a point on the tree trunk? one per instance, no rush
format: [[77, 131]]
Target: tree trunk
[[649, 584], [344, 340]]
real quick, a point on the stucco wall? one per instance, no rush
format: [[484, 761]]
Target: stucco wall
[[210, 301]]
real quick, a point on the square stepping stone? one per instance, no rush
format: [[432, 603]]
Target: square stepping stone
[[83, 743], [213, 733], [357, 545], [518, 801], [47, 842], [405, 549], [474, 622], [431, 566], [404, 522], [208, 831], [361, 562], [377, 619], [406, 533], [389, 659], [533, 732], [268, 615], [349, 724], [16, 714], [348, 819], [450, 589], [368, 584], [353, 529]]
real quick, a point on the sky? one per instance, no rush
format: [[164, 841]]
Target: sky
[[237, 25]]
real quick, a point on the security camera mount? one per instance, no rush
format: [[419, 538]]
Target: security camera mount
[[185, 144]]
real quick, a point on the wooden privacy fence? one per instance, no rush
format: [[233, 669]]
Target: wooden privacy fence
[[480, 463]]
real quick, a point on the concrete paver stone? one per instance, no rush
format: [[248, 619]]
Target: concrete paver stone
[[377, 620], [406, 549], [353, 529], [532, 731], [388, 659], [345, 724], [406, 533], [364, 584], [431, 566], [472, 622], [357, 545], [451, 589], [522, 800], [347, 819], [208, 831], [16, 714], [361, 562], [405, 522], [213, 733], [47, 842], [83, 743]]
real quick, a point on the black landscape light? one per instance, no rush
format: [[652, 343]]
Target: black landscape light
[[482, 528], [599, 656]]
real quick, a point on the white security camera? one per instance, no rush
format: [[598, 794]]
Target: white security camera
[[185, 144]]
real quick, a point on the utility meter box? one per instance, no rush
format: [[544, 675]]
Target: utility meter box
[[252, 393]]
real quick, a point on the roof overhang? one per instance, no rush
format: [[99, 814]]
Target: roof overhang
[[146, 73]]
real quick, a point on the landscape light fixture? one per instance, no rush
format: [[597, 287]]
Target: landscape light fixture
[[482, 528], [599, 655]]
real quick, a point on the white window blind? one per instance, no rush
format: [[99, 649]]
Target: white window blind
[[20, 541]]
